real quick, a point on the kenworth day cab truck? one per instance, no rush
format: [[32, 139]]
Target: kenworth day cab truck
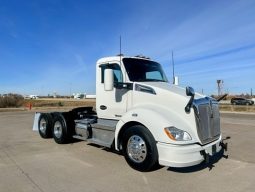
[[142, 115]]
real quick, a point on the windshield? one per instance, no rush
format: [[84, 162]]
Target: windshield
[[143, 70]]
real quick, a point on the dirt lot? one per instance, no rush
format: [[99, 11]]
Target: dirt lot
[[29, 163]]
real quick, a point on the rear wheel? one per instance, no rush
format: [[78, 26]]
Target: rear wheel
[[45, 125], [140, 149], [60, 131]]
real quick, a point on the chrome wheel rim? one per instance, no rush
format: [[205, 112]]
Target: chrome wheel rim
[[58, 129], [136, 149], [42, 125]]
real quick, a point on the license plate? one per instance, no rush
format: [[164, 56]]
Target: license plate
[[214, 149]]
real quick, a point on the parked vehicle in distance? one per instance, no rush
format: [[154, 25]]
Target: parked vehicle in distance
[[241, 101], [31, 97], [79, 96]]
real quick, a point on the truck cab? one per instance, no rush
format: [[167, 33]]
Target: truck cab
[[139, 113]]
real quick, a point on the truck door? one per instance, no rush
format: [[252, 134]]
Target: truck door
[[111, 104]]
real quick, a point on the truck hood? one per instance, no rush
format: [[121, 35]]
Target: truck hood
[[169, 102], [174, 89], [167, 96]]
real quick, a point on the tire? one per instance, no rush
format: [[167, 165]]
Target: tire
[[45, 125], [60, 131], [144, 155]]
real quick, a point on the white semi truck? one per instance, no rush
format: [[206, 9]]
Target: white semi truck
[[139, 113]]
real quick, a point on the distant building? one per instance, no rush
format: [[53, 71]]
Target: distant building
[[83, 96], [90, 96], [79, 95]]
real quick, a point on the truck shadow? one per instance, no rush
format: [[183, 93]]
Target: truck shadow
[[213, 160], [73, 141], [110, 150]]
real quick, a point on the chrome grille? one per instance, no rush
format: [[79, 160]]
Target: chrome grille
[[207, 119]]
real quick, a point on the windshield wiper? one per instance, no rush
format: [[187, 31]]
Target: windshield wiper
[[156, 80], [149, 80]]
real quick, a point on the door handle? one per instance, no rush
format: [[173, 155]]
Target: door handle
[[103, 107]]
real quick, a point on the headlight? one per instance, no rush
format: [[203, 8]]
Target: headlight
[[177, 134]]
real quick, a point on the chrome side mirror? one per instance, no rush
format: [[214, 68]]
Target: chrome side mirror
[[108, 80]]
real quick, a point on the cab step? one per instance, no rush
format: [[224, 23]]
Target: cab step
[[99, 142]]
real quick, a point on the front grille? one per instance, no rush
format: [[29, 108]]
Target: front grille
[[207, 119]]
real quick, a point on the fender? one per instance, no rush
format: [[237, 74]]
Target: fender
[[155, 121]]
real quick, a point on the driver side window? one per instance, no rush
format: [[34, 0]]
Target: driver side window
[[117, 74]]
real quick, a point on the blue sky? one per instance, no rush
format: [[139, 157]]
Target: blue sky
[[51, 46]]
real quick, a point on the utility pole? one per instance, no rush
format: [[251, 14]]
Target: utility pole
[[70, 90], [173, 67], [251, 92], [220, 86]]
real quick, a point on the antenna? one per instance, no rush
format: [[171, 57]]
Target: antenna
[[120, 50], [120, 45], [173, 67]]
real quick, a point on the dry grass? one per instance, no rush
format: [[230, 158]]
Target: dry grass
[[237, 108], [60, 102], [11, 100]]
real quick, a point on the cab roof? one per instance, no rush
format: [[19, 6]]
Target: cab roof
[[119, 57]]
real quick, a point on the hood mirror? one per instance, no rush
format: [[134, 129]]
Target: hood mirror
[[189, 92]]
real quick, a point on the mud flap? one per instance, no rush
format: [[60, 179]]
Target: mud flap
[[36, 119]]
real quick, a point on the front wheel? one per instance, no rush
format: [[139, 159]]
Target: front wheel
[[140, 149]]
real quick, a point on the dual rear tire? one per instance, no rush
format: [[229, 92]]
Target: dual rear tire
[[55, 125]]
